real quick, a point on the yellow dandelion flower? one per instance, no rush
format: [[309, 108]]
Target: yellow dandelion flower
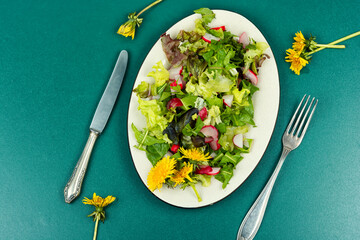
[[127, 29], [98, 201], [183, 174], [297, 62], [99, 213], [299, 43], [194, 154], [160, 172]]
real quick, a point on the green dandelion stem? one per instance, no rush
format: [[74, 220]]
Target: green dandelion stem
[[330, 46], [196, 192], [96, 227], [337, 41], [154, 3]]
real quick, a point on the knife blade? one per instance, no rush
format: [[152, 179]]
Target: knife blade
[[101, 117]]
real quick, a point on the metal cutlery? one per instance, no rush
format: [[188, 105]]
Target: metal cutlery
[[101, 116], [290, 140]]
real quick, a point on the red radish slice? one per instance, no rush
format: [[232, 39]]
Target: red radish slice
[[181, 70], [208, 37], [238, 140], [176, 83], [210, 131], [244, 39], [203, 169], [215, 170], [208, 170], [174, 148], [174, 103], [251, 76], [203, 113], [228, 99], [217, 28], [209, 139], [174, 71], [215, 145]]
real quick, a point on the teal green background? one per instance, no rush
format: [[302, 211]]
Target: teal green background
[[55, 60]]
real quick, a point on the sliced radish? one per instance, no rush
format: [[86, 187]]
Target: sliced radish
[[174, 148], [181, 70], [178, 80], [209, 139], [174, 71], [228, 99], [238, 140], [251, 76], [174, 103], [215, 145], [217, 28], [210, 131], [244, 39], [208, 37], [204, 169], [214, 171], [203, 113]]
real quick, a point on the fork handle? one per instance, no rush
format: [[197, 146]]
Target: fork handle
[[251, 223]]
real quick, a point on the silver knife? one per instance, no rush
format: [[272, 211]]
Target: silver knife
[[101, 116]]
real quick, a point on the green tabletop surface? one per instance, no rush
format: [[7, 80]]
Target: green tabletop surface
[[55, 60]]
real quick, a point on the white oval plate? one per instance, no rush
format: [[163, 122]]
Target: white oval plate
[[266, 105]]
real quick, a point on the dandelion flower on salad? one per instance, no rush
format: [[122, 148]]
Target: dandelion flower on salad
[[194, 154], [183, 174], [160, 172]]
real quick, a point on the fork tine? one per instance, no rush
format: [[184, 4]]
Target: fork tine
[[299, 117], [309, 119], [293, 117], [303, 120]]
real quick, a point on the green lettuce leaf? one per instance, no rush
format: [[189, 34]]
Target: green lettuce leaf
[[225, 174], [254, 50], [157, 118], [206, 14], [143, 137], [160, 74], [204, 179], [226, 139], [213, 116], [229, 158], [156, 151], [189, 131]]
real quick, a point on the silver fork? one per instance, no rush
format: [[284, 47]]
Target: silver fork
[[291, 140]]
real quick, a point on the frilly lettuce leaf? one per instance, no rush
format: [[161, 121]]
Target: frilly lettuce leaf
[[195, 47], [199, 28], [209, 84], [226, 139], [253, 50], [206, 14], [160, 75], [156, 118], [213, 116], [142, 90], [240, 96]]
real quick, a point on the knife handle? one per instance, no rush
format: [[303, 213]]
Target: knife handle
[[73, 187]]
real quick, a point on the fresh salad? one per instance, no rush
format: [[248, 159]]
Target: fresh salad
[[199, 109]]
